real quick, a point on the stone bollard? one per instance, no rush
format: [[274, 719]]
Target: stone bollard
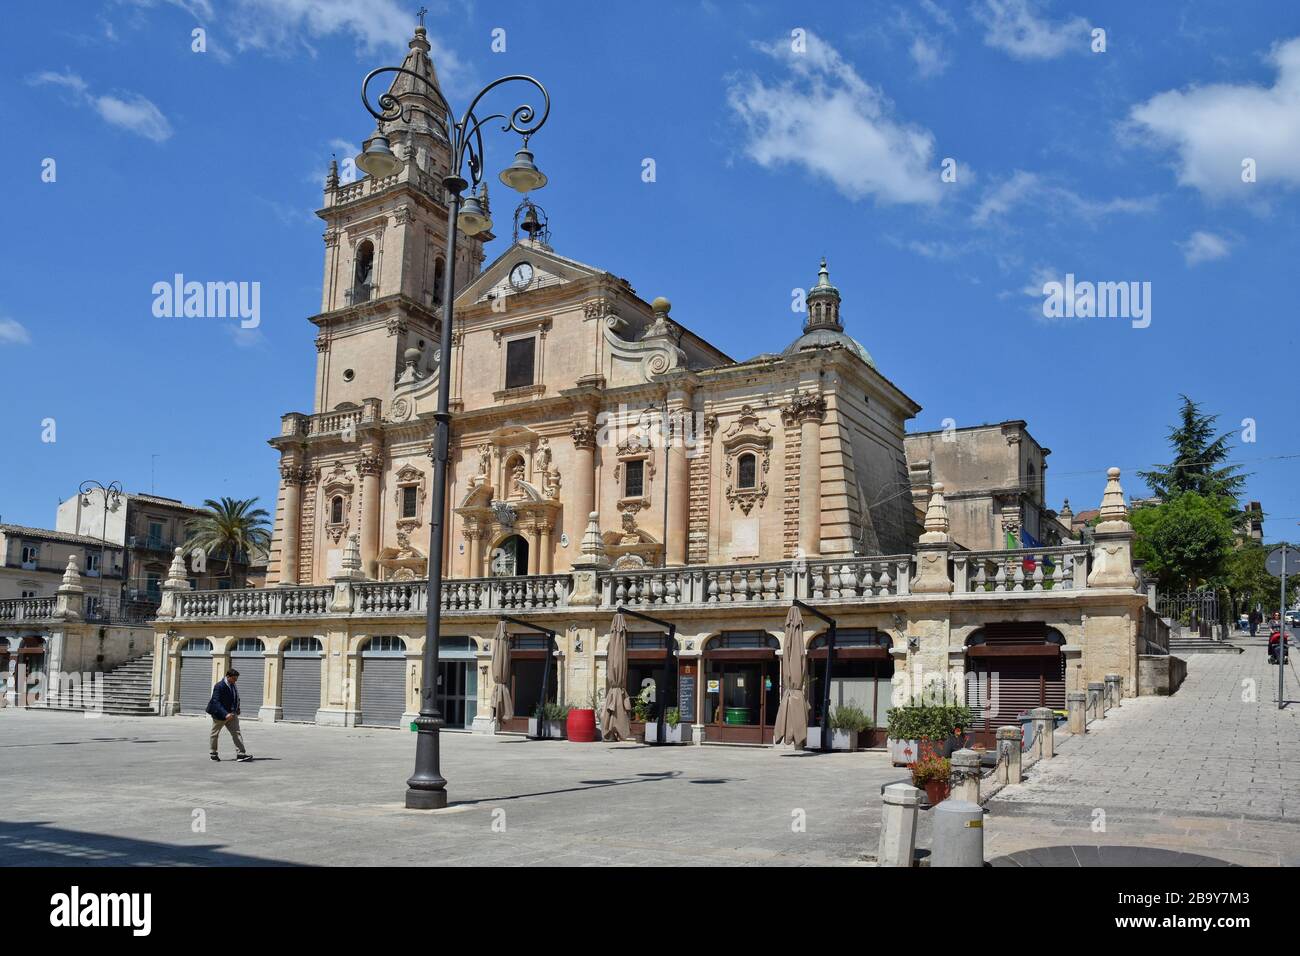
[[1044, 732], [958, 834], [1009, 747], [1114, 690], [1096, 706], [965, 775], [1075, 703], [902, 803]]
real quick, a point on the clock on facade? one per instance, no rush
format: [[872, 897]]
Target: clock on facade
[[521, 276]]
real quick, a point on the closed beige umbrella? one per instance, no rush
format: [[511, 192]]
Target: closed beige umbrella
[[615, 713], [792, 716], [503, 707]]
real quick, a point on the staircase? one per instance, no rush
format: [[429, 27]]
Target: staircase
[[126, 687], [1184, 642], [126, 691]]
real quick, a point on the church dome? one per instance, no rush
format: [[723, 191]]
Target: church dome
[[822, 327]]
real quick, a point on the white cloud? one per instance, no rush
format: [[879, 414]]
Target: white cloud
[[12, 332], [1212, 129], [1024, 188], [125, 110], [1202, 246], [134, 113], [1017, 28], [827, 119], [928, 55]]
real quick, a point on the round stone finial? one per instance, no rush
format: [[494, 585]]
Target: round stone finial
[[937, 487], [412, 355], [1112, 472], [661, 304], [594, 516]]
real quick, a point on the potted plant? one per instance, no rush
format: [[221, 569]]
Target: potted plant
[[919, 730], [931, 775], [846, 723], [555, 716], [675, 732]]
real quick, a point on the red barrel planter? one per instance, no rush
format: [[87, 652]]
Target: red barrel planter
[[582, 725]]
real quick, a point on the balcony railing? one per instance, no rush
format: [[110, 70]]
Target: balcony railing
[[855, 580], [1026, 569], [16, 610]]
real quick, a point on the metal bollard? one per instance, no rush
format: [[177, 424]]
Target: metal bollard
[[958, 834], [898, 816], [1075, 702], [1044, 731], [1114, 689]]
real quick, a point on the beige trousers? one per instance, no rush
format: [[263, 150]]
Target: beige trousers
[[231, 725]]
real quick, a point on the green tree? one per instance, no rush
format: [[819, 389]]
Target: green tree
[[1249, 583], [230, 528], [1200, 458], [1184, 542]]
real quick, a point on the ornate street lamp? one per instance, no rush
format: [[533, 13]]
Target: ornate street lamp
[[426, 789], [112, 496]]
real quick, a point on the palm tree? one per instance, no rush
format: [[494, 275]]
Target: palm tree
[[230, 527]]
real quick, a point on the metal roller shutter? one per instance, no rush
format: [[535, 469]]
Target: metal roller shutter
[[383, 690], [196, 683], [252, 677], [1022, 684], [301, 691]]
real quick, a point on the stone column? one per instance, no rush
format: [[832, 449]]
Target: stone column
[[808, 409], [679, 485], [1112, 549], [1114, 690], [898, 815], [291, 477], [473, 547], [965, 775], [1009, 745], [1044, 732], [584, 480], [1075, 702], [545, 559], [368, 468]]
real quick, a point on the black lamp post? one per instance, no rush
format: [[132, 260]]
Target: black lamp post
[[426, 789], [112, 495]]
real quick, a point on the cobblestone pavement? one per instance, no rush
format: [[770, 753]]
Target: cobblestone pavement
[[123, 790], [1214, 769]]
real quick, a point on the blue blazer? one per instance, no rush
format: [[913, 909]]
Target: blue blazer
[[225, 701]]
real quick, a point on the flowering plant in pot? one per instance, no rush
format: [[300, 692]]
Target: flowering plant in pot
[[931, 774], [920, 729]]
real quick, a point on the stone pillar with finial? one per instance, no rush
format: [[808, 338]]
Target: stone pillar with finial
[[932, 549], [592, 559], [349, 574], [1112, 549], [69, 601], [175, 583]]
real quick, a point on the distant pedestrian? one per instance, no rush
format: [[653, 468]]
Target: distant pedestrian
[[1254, 621], [224, 710]]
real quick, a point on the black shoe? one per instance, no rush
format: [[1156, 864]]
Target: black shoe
[[214, 757], [244, 757]]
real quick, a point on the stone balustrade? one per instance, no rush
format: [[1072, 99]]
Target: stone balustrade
[[1024, 569], [856, 579], [16, 610]]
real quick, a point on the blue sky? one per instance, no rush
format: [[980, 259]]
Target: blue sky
[[1122, 165]]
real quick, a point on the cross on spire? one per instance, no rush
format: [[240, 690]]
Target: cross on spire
[[420, 13]]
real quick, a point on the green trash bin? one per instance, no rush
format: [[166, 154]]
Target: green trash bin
[[737, 715]]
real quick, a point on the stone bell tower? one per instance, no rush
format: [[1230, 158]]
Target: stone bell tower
[[385, 242]]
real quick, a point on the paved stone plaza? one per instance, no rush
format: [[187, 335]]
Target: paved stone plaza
[[1204, 771], [117, 790]]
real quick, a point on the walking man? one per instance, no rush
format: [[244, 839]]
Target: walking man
[[224, 709]]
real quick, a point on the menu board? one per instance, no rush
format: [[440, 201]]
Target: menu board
[[686, 696]]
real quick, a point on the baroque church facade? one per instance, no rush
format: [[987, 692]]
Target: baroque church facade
[[572, 396]]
